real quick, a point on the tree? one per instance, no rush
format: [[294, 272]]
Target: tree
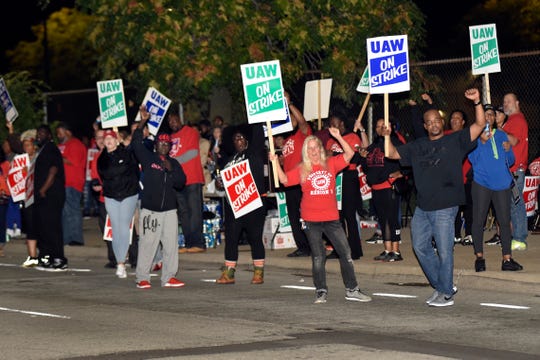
[[72, 59], [187, 48], [27, 96]]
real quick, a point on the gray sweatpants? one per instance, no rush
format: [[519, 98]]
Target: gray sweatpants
[[156, 227]]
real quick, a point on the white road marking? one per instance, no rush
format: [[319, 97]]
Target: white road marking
[[506, 306], [208, 280], [35, 313], [396, 295], [298, 287]]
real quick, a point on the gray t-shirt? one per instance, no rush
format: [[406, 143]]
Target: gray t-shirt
[[436, 167]]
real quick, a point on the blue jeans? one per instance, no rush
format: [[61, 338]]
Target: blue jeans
[[335, 233], [518, 214], [189, 202], [121, 214], [438, 265], [72, 217]]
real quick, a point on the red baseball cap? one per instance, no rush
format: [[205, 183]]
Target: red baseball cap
[[110, 133]]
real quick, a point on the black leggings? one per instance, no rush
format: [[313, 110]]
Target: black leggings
[[387, 204], [482, 198], [253, 223]]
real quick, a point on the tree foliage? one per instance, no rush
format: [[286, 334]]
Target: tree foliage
[[27, 95], [187, 48], [72, 59]]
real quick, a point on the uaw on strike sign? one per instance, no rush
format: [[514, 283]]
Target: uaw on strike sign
[[241, 189], [388, 60]]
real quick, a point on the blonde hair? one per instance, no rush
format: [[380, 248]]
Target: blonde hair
[[307, 166], [29, 135]]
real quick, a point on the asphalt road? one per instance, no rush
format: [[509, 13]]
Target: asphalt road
[[88, 313]]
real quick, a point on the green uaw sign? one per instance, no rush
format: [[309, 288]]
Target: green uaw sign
[[484, 49], [112, 105], [263, 91], [284, 223], [363, 85]]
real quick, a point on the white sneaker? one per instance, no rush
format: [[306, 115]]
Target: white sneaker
[[121, 271]]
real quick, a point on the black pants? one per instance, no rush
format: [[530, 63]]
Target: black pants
[[48, 227], [253, 224], [350, 202]]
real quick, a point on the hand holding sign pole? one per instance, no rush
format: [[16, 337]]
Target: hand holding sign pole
[[388, 62]]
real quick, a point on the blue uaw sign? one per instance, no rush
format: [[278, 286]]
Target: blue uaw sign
[[7, 103], [388, 61], [157, 105]]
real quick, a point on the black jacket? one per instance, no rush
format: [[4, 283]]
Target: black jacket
[[119, 173], [159, 185]]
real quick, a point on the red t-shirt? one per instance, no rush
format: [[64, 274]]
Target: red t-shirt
[[184, 140], [74, 152], [351, 138], [292, 149], [517, 126], [319, 201]]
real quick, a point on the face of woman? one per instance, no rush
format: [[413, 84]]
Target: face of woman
[[314, 152], [29, 147], [111, 143]]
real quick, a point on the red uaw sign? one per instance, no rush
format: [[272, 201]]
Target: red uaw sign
[[107, 231], [240, 188], [530, 194], [17, 177]]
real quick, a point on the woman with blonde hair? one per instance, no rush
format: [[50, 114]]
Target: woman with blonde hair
[[317, 178]]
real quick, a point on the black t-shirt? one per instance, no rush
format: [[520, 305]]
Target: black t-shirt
[[436, 166], [49, 156]]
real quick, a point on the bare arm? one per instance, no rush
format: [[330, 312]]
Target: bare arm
[[477, 127], [297, 118], [281, 174], [392, 150], [348, 152]]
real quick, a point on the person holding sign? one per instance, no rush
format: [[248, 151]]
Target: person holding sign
[[119, 173], [436, 162], [158, 219], [317, 177], [253, 151]]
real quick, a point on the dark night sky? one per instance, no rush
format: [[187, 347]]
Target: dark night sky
[[20, 15]]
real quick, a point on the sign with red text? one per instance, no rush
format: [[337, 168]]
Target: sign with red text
[[17, 177], [530, 194], [90, 156], [30, 183], [241, 189], [365, 190], [107, 231]]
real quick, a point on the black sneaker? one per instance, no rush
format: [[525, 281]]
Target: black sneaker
[[384, 256], [467, 240], [59, 264], [375, 239], [511, 265], [332, 255], [45, 262], [495, 240], [480, 265], [394, 256], [299, 253]]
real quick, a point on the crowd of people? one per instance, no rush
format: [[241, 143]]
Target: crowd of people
[[149, 187]]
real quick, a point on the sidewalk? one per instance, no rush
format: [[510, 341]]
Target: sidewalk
[[527, 280]]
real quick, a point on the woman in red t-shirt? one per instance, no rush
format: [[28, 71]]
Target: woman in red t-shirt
[[317, 177]]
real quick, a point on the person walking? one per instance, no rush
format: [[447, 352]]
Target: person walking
[[119, 173], [317, 177], [436, 162]]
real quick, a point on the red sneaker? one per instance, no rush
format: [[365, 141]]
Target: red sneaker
[[144, 284], [157, 266], [174, 283]]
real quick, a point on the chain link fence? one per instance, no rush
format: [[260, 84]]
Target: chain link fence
[[520, 74]]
